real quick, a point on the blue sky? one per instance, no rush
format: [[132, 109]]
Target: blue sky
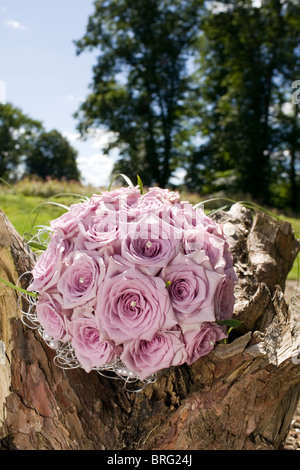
[[44, 77]]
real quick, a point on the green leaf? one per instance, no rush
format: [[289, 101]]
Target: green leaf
[[19, 289], [140, 184], [230, 322], [37, 246]]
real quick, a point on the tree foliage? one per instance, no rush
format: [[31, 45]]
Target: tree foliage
[[203, 85], [24, 140], [246, 76], [51, 155], [142, 88], [169, 73], [17, 132]]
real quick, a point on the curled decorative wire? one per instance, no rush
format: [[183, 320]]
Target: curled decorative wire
[[65, 355]]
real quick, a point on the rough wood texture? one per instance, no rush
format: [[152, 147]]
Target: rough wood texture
[[243, 395]]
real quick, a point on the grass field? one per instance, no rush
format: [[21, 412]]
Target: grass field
[[295, 271], [32, 203]]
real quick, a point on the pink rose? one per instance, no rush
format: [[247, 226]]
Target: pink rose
[[212, 227], [191, 288], [163, 195], [51, 317], [229, 259], [125, 201], [47, 269], [131, 194], [89, 349], [69, 220], [80, 281], [150, 204], [86, 310], [182, 215], [132, 305], [199, 343], [214, 247], [164, 350], [224, 298], [95, 200], [151, 244], [99, 230]]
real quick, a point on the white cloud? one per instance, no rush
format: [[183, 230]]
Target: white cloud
[[14, 24], [257, 3], [95, 169], [100, 138], [95, 166], [96, 139], [71, 136]]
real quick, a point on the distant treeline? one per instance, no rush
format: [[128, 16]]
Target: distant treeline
[[24, 140], [209, 87]]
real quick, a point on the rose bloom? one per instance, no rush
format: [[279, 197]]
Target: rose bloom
[[224, 298], [229, 260], [212, 227], [51, 316], [164, 350], [86, 310], [69, 220], [163, 195], [151, 244], [98, 231], [124, 201], [89, 349], [214, 247], [80, 280], [133, 305], [199, 343], [152, 205], [47, 269], [191, 288], [182, 215]]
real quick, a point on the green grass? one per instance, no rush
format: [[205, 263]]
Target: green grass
[[33, 202], [295, 271], [26, 212]]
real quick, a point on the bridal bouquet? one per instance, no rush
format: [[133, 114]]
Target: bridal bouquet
[[133, 283]]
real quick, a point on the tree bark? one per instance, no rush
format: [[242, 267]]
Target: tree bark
[[241, 396]]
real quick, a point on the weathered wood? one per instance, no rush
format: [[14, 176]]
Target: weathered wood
[[240, 396]]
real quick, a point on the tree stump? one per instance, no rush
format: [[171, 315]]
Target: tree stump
[[241, 396]]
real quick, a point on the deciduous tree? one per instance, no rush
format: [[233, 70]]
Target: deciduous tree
[[142, 87], [249, 55], [17, 132], [51, 155]]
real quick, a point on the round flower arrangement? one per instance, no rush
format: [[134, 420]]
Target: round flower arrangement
[[132, 283]]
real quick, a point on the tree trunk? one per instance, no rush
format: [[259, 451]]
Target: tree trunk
[[242, 395]]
